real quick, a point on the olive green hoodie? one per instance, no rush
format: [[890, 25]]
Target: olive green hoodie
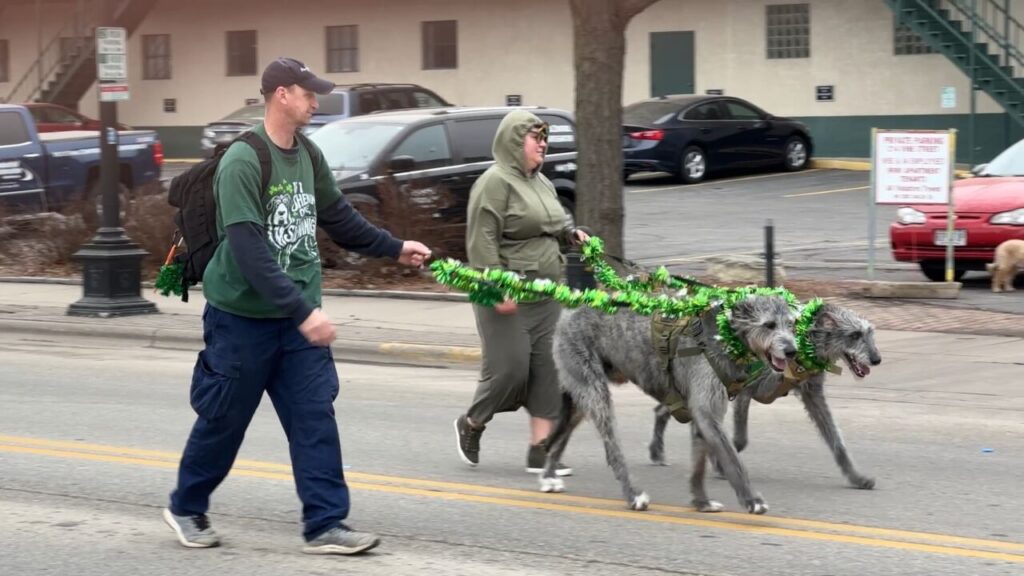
[[515, 220]]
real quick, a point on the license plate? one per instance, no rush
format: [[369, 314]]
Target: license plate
[[959, 238]]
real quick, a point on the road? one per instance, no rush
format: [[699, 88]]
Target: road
[[90, 434]]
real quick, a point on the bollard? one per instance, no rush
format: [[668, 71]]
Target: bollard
[[769, 254], [577, 274]]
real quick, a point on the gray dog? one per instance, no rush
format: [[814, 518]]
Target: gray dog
[[592, 348], [838, 335]]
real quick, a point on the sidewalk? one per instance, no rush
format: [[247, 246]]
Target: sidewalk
[[400, 328]]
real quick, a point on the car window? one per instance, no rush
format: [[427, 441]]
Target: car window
[[475, 138], [12, 129], [353, 145], [649, 113], [703, 112], [368, 102], [426, 99], [248, 114], [61, 116], [38, 114], [738, 111], [332, 104], [395, 99], [561, 134], [428, 147], [1009, 162]]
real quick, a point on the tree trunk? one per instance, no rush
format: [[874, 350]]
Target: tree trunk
[[599, 31]]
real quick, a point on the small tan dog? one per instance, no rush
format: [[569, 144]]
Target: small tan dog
[[1009, 257]]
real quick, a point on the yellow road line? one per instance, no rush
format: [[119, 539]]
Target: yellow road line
[[826, 192], [702, 185], [581, 504]]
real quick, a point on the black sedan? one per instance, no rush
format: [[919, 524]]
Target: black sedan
[[691, 135]]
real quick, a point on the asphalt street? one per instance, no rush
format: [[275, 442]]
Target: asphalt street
[[90, 433]]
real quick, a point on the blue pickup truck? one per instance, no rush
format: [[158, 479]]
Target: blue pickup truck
[[56, 170]]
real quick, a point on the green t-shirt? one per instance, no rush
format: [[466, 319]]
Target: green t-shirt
[[287, 212]]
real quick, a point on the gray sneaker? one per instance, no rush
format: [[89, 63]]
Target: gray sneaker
[[341, 540], [537, 458], [192, 531]]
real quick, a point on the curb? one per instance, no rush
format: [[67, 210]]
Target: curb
[[176, 339]]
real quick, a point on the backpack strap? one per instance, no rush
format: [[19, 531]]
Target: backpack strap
[[262, 153], [315, 156]]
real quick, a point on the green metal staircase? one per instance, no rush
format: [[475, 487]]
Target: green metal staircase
[[64, 71], [981, 37]]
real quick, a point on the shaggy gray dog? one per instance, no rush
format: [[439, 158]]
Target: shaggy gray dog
[[839, 336], [592, 347]]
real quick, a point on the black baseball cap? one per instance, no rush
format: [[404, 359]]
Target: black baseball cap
[[288, 71]]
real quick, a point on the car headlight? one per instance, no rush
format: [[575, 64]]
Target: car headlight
[[1013, 217], [207, 134], [910, 216]]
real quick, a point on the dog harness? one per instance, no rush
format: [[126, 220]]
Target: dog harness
[[665, 333]]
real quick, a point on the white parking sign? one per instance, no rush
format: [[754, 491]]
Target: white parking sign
[[912, 166]]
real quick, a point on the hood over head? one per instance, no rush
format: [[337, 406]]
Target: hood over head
[[508, 142]]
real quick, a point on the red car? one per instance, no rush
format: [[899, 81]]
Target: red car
[[56, 118], [989, 210]]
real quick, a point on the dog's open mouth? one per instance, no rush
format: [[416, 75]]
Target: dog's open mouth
[[778, 364], [859, 369]]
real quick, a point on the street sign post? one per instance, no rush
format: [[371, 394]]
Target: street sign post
[[111, 262], [913, 167]]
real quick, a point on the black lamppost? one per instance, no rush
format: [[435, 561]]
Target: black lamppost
[[111, 262]]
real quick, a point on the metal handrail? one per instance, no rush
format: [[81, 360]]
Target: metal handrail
[[968, 42], [88, 25], [986, 19]]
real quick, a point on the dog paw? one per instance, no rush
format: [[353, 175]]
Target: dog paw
[[863, 482], [709, 506], [757, 506], [552, 485], [640, 502], [657, 455]]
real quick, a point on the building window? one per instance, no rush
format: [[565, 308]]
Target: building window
[[156, 54], [242, 53], [342, 48], [789, 31], [905, 42], [440, 45], [4, 62]]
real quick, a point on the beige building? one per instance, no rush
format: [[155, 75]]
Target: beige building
[[842, 66]]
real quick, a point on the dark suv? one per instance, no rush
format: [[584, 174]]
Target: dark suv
[[343, 102], [434, 151]]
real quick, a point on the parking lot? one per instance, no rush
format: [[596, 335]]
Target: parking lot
[[820, 219]]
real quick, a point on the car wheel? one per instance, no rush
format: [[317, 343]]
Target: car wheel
[[796, 154], [367, 206], [91, 207], [693, 165], [936, 271], [570, 211]]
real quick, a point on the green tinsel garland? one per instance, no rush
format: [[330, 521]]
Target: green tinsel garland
[[806, 354], [168, 280], [490, 286]]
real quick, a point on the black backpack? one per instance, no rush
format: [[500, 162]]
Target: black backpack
[[196, 220]]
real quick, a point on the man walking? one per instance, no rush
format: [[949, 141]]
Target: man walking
[[263, 326]]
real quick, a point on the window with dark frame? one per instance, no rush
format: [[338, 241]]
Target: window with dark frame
[[906, 42], [5, 75], [343, 48], [241, 52], [788, 30], [156, 57], [440, 45]]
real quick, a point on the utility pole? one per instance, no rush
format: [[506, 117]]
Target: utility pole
[[111, 262]]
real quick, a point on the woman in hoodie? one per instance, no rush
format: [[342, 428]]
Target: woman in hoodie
[[515, 222]]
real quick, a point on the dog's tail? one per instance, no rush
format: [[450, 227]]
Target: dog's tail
[[991, 267]]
